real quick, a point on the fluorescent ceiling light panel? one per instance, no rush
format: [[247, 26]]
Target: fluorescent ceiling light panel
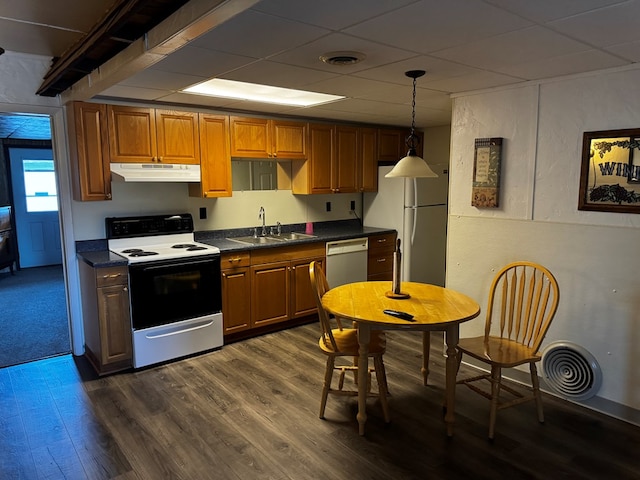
[[217, 87]]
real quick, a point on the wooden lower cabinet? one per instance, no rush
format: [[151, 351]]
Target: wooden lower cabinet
[[236, 291], [106, 317], [267, 286], [380, 257]]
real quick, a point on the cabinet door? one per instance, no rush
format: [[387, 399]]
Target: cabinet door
[[303, 299], [368, 162], [115, 324], [132, 134], [215, 160], [177, 136], [321, 155], [236, 307], [345, 171], [250, 137], [270, 293], [289, 140], [391, 144], [89, 151]]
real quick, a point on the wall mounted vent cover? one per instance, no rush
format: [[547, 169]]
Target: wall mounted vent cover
[[571, 371]]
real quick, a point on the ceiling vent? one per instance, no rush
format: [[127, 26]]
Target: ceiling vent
[[571, 371], [342, 58]]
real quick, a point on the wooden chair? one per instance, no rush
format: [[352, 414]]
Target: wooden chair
[[343, 342], [522, 302]]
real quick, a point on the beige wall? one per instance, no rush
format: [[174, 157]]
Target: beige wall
[[592, 254]]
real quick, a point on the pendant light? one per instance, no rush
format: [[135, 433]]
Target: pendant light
[[412, 165]]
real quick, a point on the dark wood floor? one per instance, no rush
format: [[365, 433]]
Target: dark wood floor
[[250, 411]]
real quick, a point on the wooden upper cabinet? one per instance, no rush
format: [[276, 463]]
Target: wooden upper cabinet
[[391, 144], [178, 137], [321, 158], [368, 160], [144, 135], [215, 160], [89, 151], [346, 160], [264, 138], [342, 159], [289, 139]]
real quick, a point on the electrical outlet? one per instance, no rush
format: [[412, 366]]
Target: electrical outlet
[[203, 213], [328, 206], [353, 205]]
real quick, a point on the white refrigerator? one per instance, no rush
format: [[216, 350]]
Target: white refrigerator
[[417, 209]]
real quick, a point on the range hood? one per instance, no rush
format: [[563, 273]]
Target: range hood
[[154, 172]]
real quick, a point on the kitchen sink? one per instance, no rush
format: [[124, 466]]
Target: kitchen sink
[[292, 236], [271, 239], [251, 240]]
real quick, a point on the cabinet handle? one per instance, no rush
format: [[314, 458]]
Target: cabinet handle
[[224, 275], [109, 196], [125, 289], [381, 240], [381, 260], [160, 159], [113, 275], [238, 259]]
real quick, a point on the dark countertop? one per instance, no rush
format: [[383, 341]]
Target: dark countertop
[[96, 253]]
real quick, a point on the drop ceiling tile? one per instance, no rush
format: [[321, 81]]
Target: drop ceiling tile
[[162, 80], [530, 44], [435, 68], [564, 65], [331, 14], [604, 27], [257, 35], [201, 62], [277, 75], [309, 55], [138, 93], [473, 81], [548, 10], [35, 39], [629, 51], [432, 25], [62, 14], [349, 86]]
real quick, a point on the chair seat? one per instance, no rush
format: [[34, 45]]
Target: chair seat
[[499, 351], [347, 342]]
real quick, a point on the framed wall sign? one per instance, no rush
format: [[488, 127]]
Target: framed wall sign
[[610, 173], [486, 172]]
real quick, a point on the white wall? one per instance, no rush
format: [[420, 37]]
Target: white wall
[[238, 211], [592, 254]]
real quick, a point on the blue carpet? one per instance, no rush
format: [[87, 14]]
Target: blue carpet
[[33, 315]]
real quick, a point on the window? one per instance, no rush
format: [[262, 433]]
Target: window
[[40, 185]]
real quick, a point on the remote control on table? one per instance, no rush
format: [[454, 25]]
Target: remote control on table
[[402, 315]]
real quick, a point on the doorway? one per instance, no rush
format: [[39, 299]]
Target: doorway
[[35, 320]]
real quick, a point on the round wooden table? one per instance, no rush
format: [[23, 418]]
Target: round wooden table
[[433, 308]]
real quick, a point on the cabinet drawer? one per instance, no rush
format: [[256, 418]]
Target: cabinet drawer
[[380, 263], [234, 260], [108, 276], [384, 242]]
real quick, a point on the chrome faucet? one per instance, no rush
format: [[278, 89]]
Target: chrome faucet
[[262, 216]]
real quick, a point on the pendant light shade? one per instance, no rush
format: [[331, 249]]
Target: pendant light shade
[[412, 165]]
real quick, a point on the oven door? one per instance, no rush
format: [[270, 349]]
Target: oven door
[[169, 291]]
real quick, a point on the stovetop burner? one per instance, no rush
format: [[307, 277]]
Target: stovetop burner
[[183, 245], [195, 247], [132, 250], [142, 253]]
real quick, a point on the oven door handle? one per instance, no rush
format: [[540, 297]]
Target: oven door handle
[[172, 264], [176, 331]]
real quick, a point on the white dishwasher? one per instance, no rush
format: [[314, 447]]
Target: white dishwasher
[[347, 261]]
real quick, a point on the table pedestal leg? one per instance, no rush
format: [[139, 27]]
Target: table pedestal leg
[[452, 337], [426, 348], [364, 337]]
